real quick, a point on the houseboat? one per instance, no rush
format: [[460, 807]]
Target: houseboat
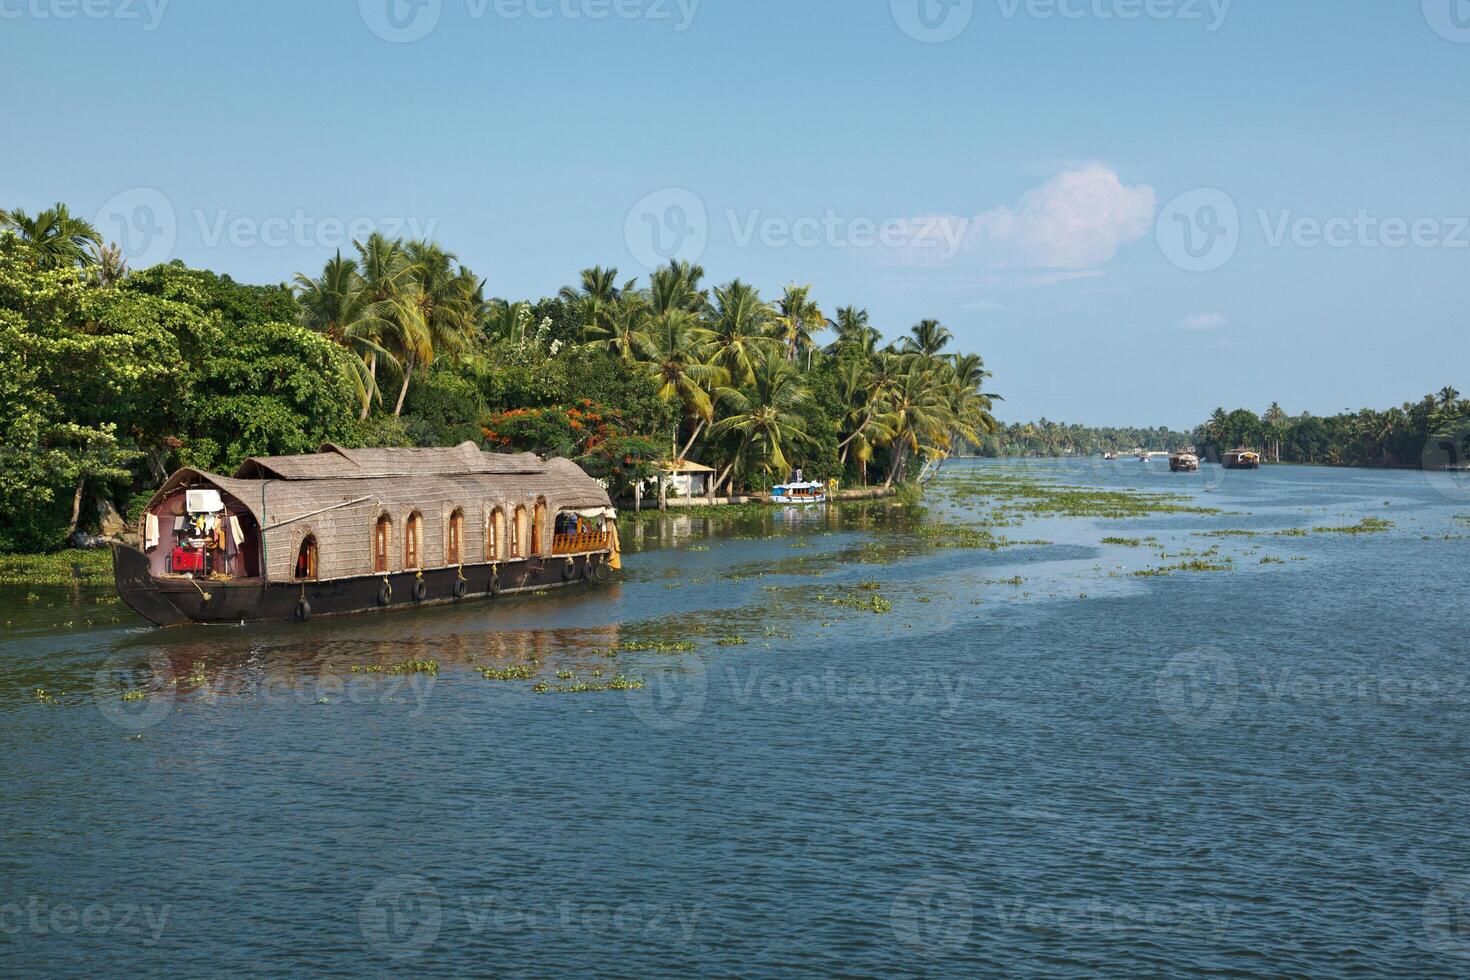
[[1241, 459], [351, 530], [1183, 463], [792, 494]]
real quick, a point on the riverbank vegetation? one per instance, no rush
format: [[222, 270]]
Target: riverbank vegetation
[[1432, 433], [116, 377], [1047, 438]]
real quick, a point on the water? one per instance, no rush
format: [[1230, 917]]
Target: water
[[1254, 771]]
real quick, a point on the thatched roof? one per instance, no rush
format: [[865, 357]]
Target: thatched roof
[[335, 462]]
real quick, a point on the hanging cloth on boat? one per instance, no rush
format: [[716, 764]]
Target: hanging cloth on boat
[[150, 532], [616, 561]]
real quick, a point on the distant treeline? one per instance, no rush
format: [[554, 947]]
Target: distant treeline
[[1047, 438], [1430, 432]]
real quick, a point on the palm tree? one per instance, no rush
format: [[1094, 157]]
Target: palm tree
[[918, 414], [445, 303], [1447, 396], [338, 305], [507, 321], [799, 319], [108, 265], [596, 299], [1275, 419], [677, 361], [765, 418], [56, 239], [853, 327], [625, 322], [676, 287], [390, 320], [863, 389], [928, 338], [735, 322]]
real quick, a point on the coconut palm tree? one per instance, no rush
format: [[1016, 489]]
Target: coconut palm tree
[[595, 301], [678, 362], [919, 415], [55, 237], [927, 337], [337, 304], [853, 327], [446, 301], [863, 389], [735, 321], [390, 320], [799, 318], [764, 416], [676, 287]]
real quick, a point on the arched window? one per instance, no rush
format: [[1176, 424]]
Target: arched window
[[306, 558], [518, 533], [538, 525], [456, 538], [382, 541], [413, 540], [494, 534]]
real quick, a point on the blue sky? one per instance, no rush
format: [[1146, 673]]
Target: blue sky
[[1137, 210]]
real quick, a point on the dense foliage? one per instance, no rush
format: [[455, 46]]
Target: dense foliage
[[117, 377], [1414, 435], [1047, 438]]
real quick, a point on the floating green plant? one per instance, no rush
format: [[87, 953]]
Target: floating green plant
[[398, 670], [658, 646], [732, 641], [135, 695], [1196, 565], [619, 683], [1124, 542], [61, 568], [515, 672], [1368, 525]]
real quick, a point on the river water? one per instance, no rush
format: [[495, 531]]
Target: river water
[[881, 756]]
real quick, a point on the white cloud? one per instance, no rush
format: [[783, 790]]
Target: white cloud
[[1077, 220], [1205, 321]]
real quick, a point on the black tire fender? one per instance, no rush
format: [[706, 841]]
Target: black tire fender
[[385, 593], [303, 611], [420, 590], [461, 588], [569, 569]]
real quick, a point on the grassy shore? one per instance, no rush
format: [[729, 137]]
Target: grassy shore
[[60, 568]]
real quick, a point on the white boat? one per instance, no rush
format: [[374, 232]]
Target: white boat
[[794, 494]]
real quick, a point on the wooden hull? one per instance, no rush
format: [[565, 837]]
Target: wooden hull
[[175, 601]]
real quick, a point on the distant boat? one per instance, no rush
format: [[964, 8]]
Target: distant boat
[[794, 494], [1110, 456], [1184, 463], [1242, 459]]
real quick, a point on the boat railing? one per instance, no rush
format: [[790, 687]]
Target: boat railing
[[576, 544]]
